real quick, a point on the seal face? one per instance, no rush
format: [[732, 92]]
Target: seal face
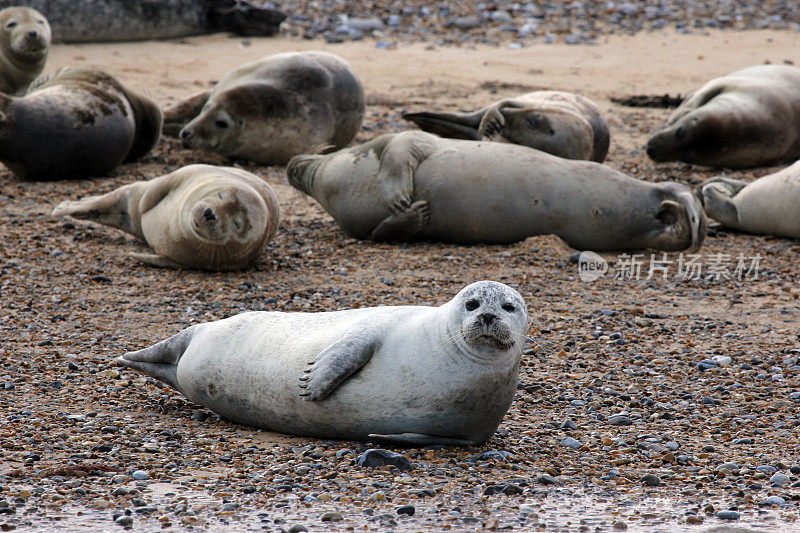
[[24, 43], [273, 109], [78, 123], [409, 375], [414, 185], [200, 216], [766, 206], [745, 119], [560, 123]]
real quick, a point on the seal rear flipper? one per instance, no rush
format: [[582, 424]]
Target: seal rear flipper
[[450, 125], [339, 361], [155, 260], [403, 226], [717, 196], [149, 121], [420, 439], [243, 18], [178, 115], [160, 360]]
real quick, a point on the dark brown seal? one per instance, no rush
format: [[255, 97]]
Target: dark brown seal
[[79, 123]]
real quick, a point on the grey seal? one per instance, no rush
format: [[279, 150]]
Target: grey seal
[[748, 118], [24, 43], [414, 185], [272, 109], [766, 206], [411, 375], [200, 216], [78, 123], [560, 123], [86, 21]]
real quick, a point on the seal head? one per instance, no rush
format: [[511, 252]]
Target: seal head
[[24, 43]]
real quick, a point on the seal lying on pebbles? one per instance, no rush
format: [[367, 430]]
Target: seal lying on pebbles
[[24, 43], [200, 216], [560, 123], [81, 122], [411, 375], [270, 110], [767, 206], [746, 119], [414, 185], [83, 21]]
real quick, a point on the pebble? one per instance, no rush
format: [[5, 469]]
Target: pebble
[[140, 475], [331, 516], [124, 521], [651, 480], [569, 442], [297, 528], [375, 457], [779, 479], [728, 515], [620, 420], [774, 500], [406, 510]]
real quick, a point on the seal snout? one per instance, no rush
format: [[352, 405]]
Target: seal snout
[[209, 215]]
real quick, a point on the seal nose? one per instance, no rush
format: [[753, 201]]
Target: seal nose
[[487, 318], [650, 152], [33, 35], [209, 215], [185, 136]]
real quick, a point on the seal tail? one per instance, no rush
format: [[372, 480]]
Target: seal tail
[[450, 125], [160, 361]]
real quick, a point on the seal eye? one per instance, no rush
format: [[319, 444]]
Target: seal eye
[[508, 307], [11, 25], [472, 305], [221, 124]]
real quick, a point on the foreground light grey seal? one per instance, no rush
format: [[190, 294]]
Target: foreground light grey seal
[[200, 216], [272, 109], [414, 185], [83, 21], [766, 206], [24, 43], [81, 122], [411, 375], [560, 123], [746, 119]]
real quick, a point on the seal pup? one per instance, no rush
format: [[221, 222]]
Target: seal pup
[[24, 43], [81, 122], [748, 118], [200, 216], [272, 109], [560, 123], [87, 21], [414, 185], [410, 375], [766, 206]]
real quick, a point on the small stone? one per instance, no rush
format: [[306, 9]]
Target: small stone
[[331, 516], [374, 457], [779, 479], [124, 521], [569, 442], [140, 475], [728, 515], [568, 424], [297, 528], [620, 420], [406, 510], [651, 480], [774, 500], [546, 479], [619, 525]]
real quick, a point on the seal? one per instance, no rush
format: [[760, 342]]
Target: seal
[[87, 21], [766, 206], [81, 122], [748, 118], [200, 216], [272, 109], [414, 185], [560, 123], [411, 375], [24, 43]]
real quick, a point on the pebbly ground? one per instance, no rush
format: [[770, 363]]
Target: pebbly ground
[[652, 405]]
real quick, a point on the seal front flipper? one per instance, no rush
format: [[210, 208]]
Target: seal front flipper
[[154, 260], [403, 226], [399, 161], [178, 115], [339, 361], [493, 120], [160, 361], [420, 439]]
